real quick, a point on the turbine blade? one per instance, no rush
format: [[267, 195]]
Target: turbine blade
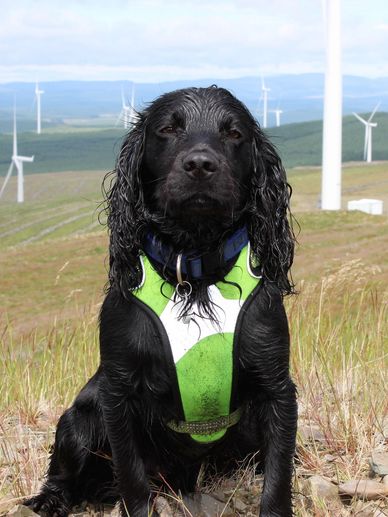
[[360, 118], [122, 98], [6, 178], [374, 111], [133, 96], [26, 158], [15, 138]]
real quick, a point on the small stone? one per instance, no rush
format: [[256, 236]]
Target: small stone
[[367, 489], [321, 493], [329, 458], [256, 490], [191, 505], [311, 433], [362, 509], [239, 505], [162, 507], [220, 495], [204, 505], [385, 480], [318, 486], [379, 462], [21, 511]]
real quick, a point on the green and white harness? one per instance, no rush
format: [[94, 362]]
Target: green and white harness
[[202, 349]]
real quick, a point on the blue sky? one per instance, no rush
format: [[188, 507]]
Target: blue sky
[[156, 40]]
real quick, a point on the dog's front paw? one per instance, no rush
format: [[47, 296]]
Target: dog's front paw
[[49, 504]]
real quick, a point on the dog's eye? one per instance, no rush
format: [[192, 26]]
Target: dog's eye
[[234, 134], [168, 130]]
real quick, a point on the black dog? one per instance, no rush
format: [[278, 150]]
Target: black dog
[[196, 180]]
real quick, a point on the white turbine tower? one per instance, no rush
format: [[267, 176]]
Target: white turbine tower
[[332, 116], [133, 114], [277, 112], [126, 111], [368, 134], [16, 161], [265, 91], [38, 94]]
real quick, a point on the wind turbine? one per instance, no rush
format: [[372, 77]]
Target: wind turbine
[[332, 116], [277, 112], [265, 91], [368, 134], [126, 111], [133, 114], [16, 161], [38, 94]]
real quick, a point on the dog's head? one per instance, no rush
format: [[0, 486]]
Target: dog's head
[[195, 166], [197, 156]]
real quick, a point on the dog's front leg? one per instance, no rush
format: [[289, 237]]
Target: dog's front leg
[[129, 468], [278, 420]]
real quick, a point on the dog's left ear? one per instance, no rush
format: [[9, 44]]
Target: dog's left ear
[[126, 211], [271, 234]]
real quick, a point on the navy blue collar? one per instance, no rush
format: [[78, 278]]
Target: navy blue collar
[[193, 265]]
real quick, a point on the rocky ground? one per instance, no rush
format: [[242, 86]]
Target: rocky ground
[[320, 489], [315, 495]]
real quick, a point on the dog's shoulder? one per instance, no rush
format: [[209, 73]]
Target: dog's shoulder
[[266, 313], [126, 329]]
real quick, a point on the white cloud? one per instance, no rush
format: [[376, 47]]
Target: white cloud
[[152, 38]]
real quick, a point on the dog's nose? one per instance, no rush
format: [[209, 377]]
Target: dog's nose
[[199, 164]]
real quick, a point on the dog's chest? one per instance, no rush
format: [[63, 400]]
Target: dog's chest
[[202, 349], [185, 333]]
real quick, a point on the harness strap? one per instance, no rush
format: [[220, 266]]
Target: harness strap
[[208, 427]]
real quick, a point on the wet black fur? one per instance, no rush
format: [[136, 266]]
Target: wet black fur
[[194, 168]]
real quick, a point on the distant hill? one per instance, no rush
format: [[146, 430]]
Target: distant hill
[[301, 144], [67, 148], [299, 96], [64, 151]]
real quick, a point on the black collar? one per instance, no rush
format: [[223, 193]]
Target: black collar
[[192, 264]]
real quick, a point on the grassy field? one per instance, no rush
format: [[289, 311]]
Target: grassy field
[[53, 258]]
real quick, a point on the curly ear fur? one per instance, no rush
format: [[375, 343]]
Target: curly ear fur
[[126, 211], [271, 234]]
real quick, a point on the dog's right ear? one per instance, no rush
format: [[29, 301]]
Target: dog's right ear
[[126, 211], [270, 220]]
